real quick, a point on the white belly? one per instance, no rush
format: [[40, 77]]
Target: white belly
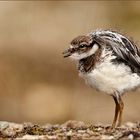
[[109, 78]]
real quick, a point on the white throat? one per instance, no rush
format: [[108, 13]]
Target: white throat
[[77, 56]]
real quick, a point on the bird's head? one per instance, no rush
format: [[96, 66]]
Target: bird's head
[[81, 47]]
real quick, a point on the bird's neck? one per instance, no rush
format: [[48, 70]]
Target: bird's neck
[[87, 64]]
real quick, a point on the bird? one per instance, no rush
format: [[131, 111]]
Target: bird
[[109, 62]]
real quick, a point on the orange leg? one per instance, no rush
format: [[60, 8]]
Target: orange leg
[[121, 111], [117, 110]]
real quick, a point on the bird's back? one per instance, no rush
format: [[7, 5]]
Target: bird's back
[[125, 49]]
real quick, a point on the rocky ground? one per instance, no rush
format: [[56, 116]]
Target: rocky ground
[[71, 130]]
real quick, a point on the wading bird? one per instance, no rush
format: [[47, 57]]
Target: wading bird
[[109, 62]]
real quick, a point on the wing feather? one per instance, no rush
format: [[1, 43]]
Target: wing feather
[[122, 47]]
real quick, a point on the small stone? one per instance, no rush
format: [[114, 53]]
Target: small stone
[[69, 133], [131, 125], [79, 136], [90, 132], [11, 129], [106, 137], [99, 128], [4, 125], [81, 131], [48, 126], [53, 137], [85, 135], [74, 124], [130, 137], [31, 137]]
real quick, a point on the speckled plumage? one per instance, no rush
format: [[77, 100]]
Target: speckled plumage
[[124, 48], [109, 62]]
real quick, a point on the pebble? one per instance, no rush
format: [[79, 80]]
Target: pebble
[[69, 133], [10, 129], [53, 137], [4, 125], [130, 137], [130, 125], [31, 137], [81, 131], [74, 124], [90, 132], [106, 137]]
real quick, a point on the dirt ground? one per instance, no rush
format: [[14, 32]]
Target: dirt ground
[[71, 130]]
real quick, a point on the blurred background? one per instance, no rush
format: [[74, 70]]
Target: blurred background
[[36, 83]]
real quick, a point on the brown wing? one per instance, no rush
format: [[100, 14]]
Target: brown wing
[[123, 48]]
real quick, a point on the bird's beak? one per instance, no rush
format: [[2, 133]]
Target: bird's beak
[[67, 53]]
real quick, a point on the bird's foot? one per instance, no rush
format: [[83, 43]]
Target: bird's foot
[[110, 128]]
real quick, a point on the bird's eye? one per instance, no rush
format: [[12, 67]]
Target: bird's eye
[[82, 45]]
